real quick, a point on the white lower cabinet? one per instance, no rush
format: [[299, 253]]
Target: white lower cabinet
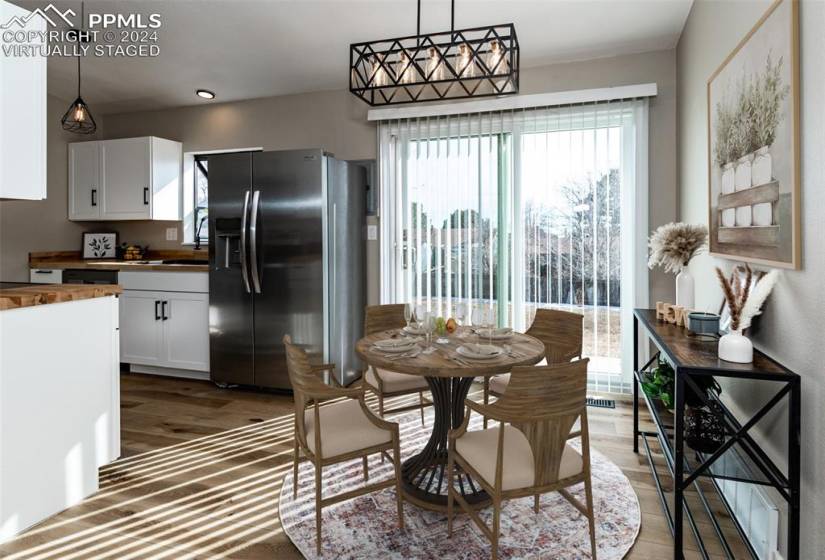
[[186, 331], [141, 329], [165, 329]]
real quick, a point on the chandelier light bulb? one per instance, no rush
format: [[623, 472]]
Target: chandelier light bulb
[[379, 74], [406, 68], [494, 59], [435, 69], [464, 64]]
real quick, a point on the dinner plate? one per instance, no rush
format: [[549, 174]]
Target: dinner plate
[[412, 331], [496, 334], [479, 351], [394, 345]]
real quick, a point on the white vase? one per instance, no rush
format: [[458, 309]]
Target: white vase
[[744, 216], [735, 347], [728, 177], [763, 214], [685, 288], [729, 217], [762, 167], [742, 180]]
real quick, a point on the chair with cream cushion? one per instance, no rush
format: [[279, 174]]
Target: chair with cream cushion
[[561, 333], [385, 383], [528, 453], [338, 431]]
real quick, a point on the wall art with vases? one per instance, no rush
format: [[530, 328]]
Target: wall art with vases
[[753, 144]]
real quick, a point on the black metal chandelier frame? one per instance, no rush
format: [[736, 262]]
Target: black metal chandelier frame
[[423, 68]]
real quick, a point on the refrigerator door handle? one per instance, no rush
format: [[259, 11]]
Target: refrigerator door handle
[[253, 237], [334, 281], [243, 241]]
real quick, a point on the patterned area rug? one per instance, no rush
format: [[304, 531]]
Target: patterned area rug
[[367, 526]]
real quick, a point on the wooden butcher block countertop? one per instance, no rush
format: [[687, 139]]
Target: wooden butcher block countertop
[[72, 259], [43, 294]]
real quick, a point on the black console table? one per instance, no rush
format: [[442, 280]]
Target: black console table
[[692, 357]]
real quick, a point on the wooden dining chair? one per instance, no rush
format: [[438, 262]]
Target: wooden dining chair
[[561, 333], [527, 454], [385, 383], [336, 432]]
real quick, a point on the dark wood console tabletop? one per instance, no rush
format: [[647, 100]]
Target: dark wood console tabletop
[[693, 356]]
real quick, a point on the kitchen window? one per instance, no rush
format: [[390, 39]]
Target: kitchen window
[[201, 198], [196, 193]]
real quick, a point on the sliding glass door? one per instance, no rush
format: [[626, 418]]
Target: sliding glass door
[[570, 185], [517, 211], [448, 216]]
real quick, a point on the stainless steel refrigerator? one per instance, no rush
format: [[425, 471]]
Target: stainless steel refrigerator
[[286, 256]]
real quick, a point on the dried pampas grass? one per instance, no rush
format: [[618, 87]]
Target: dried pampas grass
[[673, 245], [743, 302], [760, 292]]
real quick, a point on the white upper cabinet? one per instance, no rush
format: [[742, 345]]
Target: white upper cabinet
[[125, 179], [23, 115], [125, 166], [84, 181]]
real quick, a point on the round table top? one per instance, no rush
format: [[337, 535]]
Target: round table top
[[524, 350]]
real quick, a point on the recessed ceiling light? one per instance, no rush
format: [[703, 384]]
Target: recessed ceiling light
[[205, 93]]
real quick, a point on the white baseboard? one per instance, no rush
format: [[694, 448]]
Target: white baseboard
[[170, 372]]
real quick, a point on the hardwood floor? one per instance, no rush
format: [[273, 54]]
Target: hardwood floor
[[201, 473]]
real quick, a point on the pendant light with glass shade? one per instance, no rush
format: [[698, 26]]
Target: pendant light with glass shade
[[78, 118]]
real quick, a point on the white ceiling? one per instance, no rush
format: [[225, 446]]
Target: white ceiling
[[244, 49]]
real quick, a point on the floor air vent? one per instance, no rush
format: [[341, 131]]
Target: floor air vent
[[601, 403]]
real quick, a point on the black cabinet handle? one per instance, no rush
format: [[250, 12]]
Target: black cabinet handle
[[157, 312], [163, 310], [94, 197], [145, 195]]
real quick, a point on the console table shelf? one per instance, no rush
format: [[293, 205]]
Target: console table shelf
[[692, 357]]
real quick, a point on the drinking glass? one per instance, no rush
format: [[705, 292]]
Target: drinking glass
[[420, 314], [491, 323], [408, 314], [479, 317], [460, 312], [429, 329]]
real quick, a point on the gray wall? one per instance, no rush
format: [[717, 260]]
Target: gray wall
[[42, 225], [336, 121], [792, 328]]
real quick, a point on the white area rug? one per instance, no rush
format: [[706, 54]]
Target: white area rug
[[367, 526]]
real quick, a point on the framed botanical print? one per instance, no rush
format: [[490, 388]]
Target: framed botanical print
[[753, 144], [99, 245]]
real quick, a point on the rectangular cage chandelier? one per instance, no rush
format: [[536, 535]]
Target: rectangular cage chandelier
[[455, 64]]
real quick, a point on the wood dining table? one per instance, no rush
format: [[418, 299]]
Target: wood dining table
[[449, 376]]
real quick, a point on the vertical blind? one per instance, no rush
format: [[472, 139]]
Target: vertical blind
[[516, 210]]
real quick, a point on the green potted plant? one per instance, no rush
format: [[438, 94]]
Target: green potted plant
[[658, 383], [704, 430]]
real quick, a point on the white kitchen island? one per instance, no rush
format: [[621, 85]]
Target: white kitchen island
[[59, 398]]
